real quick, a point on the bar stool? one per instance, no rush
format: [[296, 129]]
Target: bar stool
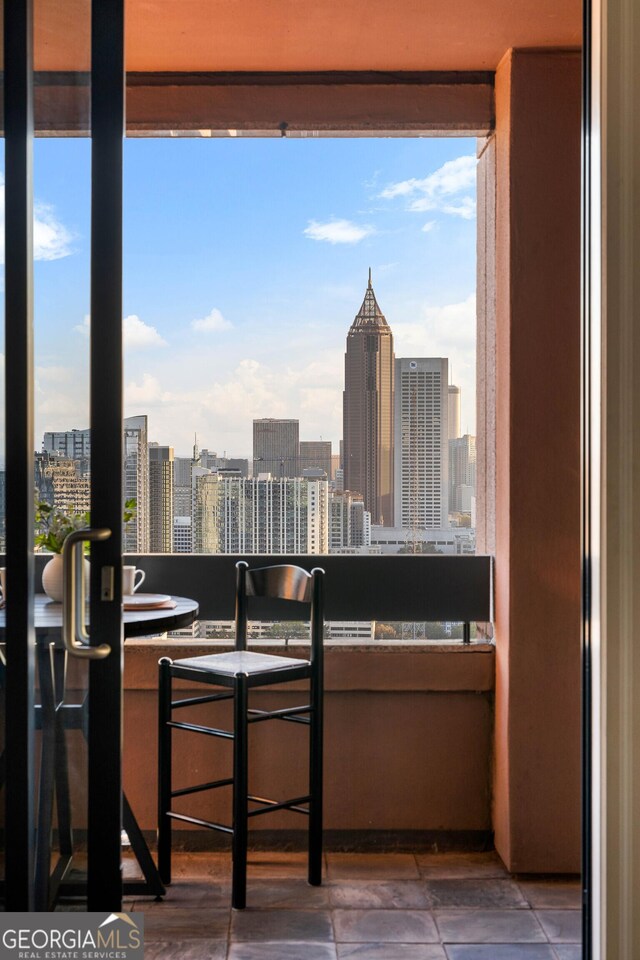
[[242, 670]]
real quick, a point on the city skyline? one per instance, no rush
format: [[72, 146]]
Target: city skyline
[[222, 268], [403, 465]]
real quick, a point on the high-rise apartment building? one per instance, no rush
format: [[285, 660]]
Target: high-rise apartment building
[[73, 444], [182, 542], [182, 486], [76, 445], [160, 498], [349, 522], [454, 411], [421, 443], [315, 455], [276, 447], [235, 515], [58, 481], [462, 474], [368, 410], [136, 484]]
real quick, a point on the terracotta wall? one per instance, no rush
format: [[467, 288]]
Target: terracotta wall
[[407, 744], [537, 435]]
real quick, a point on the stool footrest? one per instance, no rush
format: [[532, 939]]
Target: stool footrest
[[210, 698], [196, 728], [212, 785], [201, 823], [287, 713], [269, 806]]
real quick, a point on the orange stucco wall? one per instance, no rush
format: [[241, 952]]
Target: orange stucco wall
[[537, 486], [407, 742]]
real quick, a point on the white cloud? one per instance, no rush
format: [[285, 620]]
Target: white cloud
[[447, 330], [445, 190], [137, 335], [213, 322], [51, 239], [338, 231], [182, 398], [465, 208], [429, 225]]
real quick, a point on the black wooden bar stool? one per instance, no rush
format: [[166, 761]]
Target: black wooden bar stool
[[242, 670]]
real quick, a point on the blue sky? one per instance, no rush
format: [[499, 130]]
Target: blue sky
[[245, 262]]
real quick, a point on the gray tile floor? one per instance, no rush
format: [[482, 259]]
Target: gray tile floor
[[371, 907]]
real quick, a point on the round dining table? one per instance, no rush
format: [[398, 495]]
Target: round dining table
[[54, 717]]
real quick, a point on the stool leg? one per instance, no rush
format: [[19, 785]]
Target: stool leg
[[315, 777], [164, 771], [240, 791]]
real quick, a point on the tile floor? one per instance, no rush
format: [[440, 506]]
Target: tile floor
[[371, 907]]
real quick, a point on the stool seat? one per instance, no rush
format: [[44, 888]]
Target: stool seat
[[239, 662]]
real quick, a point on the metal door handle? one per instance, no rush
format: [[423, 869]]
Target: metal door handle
[[74, 634]]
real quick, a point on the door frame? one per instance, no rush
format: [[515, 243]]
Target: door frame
[[105, 676]]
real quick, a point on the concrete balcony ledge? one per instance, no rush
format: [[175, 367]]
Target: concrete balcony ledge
[[436, 667]]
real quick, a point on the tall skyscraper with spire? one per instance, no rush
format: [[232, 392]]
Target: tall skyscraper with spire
[[368, 410]]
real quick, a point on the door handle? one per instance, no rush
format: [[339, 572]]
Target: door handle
[[74, 634]]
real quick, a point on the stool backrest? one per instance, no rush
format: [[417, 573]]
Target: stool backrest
[[281, 582]]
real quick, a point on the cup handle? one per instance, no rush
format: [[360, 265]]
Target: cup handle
[[138, 583]]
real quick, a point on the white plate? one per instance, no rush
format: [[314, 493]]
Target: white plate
[[145, 599]]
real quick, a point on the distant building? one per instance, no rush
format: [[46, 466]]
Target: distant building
[[211, 460], [160, 498], [452, 541], [73, 444], [368, 410], [265, 515], [136, 484], [59, 482], [421, 436], [462, 474], [454, 412], [276, 447], [76, 445], [182, 486], [316, 454], [349, 522], [182, 540]]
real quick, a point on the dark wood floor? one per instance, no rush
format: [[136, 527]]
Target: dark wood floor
[[371, 907]]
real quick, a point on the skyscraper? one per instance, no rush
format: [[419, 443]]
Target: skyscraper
[[160, 498], [421, 443], [60, 483], [462, 473], [182, 486], [368, 410], [76, 445], [315, 454], [454, 412], [276, 447], [349, 522], [136, 484]]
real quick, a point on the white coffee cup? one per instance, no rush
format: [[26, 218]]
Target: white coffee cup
[[130, 583]]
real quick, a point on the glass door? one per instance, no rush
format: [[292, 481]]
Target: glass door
[[61, 473]]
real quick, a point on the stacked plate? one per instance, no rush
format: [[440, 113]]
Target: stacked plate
[[148, 601]]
